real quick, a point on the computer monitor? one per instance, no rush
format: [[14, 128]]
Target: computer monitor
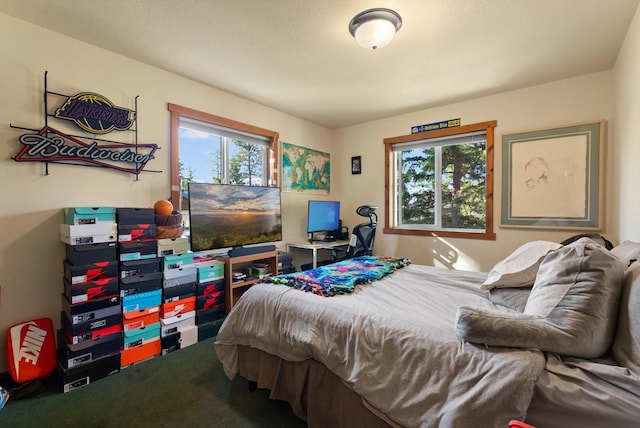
[[323, 216]]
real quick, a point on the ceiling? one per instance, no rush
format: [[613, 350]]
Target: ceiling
[[298, 57]]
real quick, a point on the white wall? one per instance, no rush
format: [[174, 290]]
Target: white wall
[[31, 252], [626, 133], [577, 100]]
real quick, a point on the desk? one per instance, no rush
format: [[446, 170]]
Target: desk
[[316, 246]]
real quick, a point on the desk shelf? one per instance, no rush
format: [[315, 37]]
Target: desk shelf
[[317, 246]]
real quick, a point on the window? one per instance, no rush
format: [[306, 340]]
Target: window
[[440, 183], [212, 149]]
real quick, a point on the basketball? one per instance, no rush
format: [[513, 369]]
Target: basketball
[[163, 207]]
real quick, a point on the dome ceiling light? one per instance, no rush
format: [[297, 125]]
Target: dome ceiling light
[[375, 28]]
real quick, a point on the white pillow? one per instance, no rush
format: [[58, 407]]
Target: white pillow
[[627, 252], [519, 269]]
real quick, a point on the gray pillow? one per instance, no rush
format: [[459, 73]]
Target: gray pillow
[[626, 345], [628, 252], [572, 309], [512, 298]]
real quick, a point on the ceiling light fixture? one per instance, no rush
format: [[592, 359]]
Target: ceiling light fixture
[[375, 28]]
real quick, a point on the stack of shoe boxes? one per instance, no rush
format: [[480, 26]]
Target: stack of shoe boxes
[[177, 314], [129, 296], [140, 284], [91, 335], [210, 304]]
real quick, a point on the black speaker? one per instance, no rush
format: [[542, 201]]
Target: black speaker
[[246, 251], [342, 234]]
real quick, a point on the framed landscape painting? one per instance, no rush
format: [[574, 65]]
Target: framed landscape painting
[[553, 178]]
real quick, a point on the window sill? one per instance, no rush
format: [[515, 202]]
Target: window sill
[[489, 236]]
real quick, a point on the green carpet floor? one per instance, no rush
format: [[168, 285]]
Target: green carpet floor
[[186, 388]]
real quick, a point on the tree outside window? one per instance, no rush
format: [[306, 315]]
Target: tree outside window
[[441, 182]]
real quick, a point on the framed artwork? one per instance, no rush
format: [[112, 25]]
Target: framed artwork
[[305, 170], [356, 165], [553, 178]]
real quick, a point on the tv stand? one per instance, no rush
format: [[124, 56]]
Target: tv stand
[[234, 289]]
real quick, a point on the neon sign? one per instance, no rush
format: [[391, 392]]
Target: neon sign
[[50, 145], [95, 113]]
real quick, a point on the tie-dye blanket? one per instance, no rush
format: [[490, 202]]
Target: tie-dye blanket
[[341, 277]]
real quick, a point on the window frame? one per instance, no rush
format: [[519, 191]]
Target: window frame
[[178, 112], [390, 190]]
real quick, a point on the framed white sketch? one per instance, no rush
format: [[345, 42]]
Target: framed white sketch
[[552, 179]]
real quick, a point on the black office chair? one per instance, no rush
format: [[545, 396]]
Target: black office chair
[[363, 236]]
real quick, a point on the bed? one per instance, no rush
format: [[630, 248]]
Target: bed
[[430, 347]]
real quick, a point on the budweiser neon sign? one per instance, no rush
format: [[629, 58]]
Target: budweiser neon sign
[[50, 145]]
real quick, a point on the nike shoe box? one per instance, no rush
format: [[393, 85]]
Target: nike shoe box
[[209, 329], [135, 321], [140, 353], [91, 253], [70, 355], [140, 283], [137, 250], [171, 246], [141, 336], [179, 292], [179, 340], [210, 287], [143, 303], [136, 232], [83, 375], [92, 335], [135, 216], [177, 307], [87, 307], [210, 314], [79, 274], [89, 321], [212, 272], [89, 215], [90, 291], [82, 234], [209, 301], [178, 276], [140, 267], [169, 326], [176, 261]]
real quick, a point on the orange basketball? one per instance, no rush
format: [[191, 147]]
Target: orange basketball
[[163, 207]]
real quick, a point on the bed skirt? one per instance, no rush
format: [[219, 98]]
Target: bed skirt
[[315, 394]]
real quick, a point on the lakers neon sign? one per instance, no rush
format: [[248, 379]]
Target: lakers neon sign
[[95, 113]]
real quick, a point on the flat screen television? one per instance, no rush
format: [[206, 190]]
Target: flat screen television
[[228, 215], [323, 216]]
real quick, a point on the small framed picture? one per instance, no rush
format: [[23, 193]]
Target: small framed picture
[[356, 165]]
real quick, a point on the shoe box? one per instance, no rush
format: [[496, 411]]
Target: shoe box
[[171, 246], [84, 374], [89, 215], [181, 339]]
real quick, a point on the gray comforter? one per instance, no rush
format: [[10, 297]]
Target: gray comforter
[[394, 343]]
